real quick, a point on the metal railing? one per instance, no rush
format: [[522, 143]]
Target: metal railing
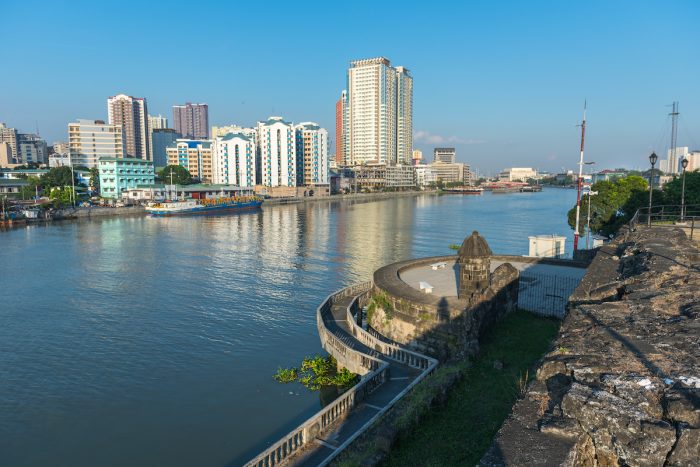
[[687, 217]]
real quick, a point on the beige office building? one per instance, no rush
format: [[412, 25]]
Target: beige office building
[[89, 140]]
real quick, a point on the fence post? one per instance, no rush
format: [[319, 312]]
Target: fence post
[[692, 227]]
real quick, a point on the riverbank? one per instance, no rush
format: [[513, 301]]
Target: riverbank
[[103, 212], [351, 196]]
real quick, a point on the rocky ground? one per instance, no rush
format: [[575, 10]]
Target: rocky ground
[[621, 385]]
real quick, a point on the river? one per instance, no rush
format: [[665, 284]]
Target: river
[[152, 341]]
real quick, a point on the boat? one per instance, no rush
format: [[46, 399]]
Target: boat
[[204, 206], [465, 190]]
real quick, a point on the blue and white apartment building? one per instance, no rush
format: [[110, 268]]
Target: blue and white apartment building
[[120, 174]]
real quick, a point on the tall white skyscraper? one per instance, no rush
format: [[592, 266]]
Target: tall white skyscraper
[[89, 140], [132, 114], [379, 113], [276, 140], [312, 154], [234, 160]]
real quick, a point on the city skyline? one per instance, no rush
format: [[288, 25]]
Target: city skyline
[[503, 79]]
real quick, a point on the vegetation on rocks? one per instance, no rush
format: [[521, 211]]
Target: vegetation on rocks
[[380, 300], [317, 372]]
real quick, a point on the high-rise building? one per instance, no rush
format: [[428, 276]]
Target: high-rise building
[[672, 164], [277, 143], [31, 148], [161, 140], [404, 115], [89, 140], [9, 136], [132, 114], [311, 154], [379, 126], [191, 120], [234, 160], [195, 156], [340, 125], [157, 122], [444, 155]]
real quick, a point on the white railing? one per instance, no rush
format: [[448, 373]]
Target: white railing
[[374, 373]]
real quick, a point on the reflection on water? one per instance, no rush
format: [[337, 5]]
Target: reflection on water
[[142, 341]]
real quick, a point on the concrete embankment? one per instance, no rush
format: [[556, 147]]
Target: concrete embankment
[[621, 385], [95, 212], [353, 196]]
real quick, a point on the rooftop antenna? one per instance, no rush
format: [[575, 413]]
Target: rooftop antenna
[[37, 127], [580, 177]]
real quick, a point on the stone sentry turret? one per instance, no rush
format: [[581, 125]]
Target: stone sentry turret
[[474, 259]]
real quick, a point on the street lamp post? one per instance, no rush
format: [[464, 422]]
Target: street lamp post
[[684, 164], [652, 158]]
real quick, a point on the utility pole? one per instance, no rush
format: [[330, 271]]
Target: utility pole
[[674, 136], [580, 178]]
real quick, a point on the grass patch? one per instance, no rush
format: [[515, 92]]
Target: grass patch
[[460, 432]]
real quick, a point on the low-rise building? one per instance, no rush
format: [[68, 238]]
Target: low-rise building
[[426, 175], [12, 188], [400, 177], [160, 192], [119, 174], [517, 174], [447, 172], [608, 175]]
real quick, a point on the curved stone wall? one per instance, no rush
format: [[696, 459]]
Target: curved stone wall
[[443, 327]]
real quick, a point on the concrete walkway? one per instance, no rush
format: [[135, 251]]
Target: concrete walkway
[[399, 377]]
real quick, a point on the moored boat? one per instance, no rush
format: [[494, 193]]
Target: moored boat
[[204, 206]]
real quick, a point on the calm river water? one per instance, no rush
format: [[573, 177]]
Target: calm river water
[[142, 341]]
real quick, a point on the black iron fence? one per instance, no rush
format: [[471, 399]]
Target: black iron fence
[[687, 217], [546, 294]]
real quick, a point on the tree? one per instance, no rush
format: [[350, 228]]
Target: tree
[[95, 179], [57, 177], [673, 189], [180, 175], [61, 195], [30, 191], [613, 206]]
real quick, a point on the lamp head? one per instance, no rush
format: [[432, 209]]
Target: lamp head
[[684, 163], [653, 158]]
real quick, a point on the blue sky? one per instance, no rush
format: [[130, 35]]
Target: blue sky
[[503, 81]]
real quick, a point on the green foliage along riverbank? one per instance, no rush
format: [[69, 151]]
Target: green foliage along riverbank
[[460, 431], [318, 372]]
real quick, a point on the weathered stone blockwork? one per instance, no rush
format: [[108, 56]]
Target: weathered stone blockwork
[[443, 327], [622, 383]]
